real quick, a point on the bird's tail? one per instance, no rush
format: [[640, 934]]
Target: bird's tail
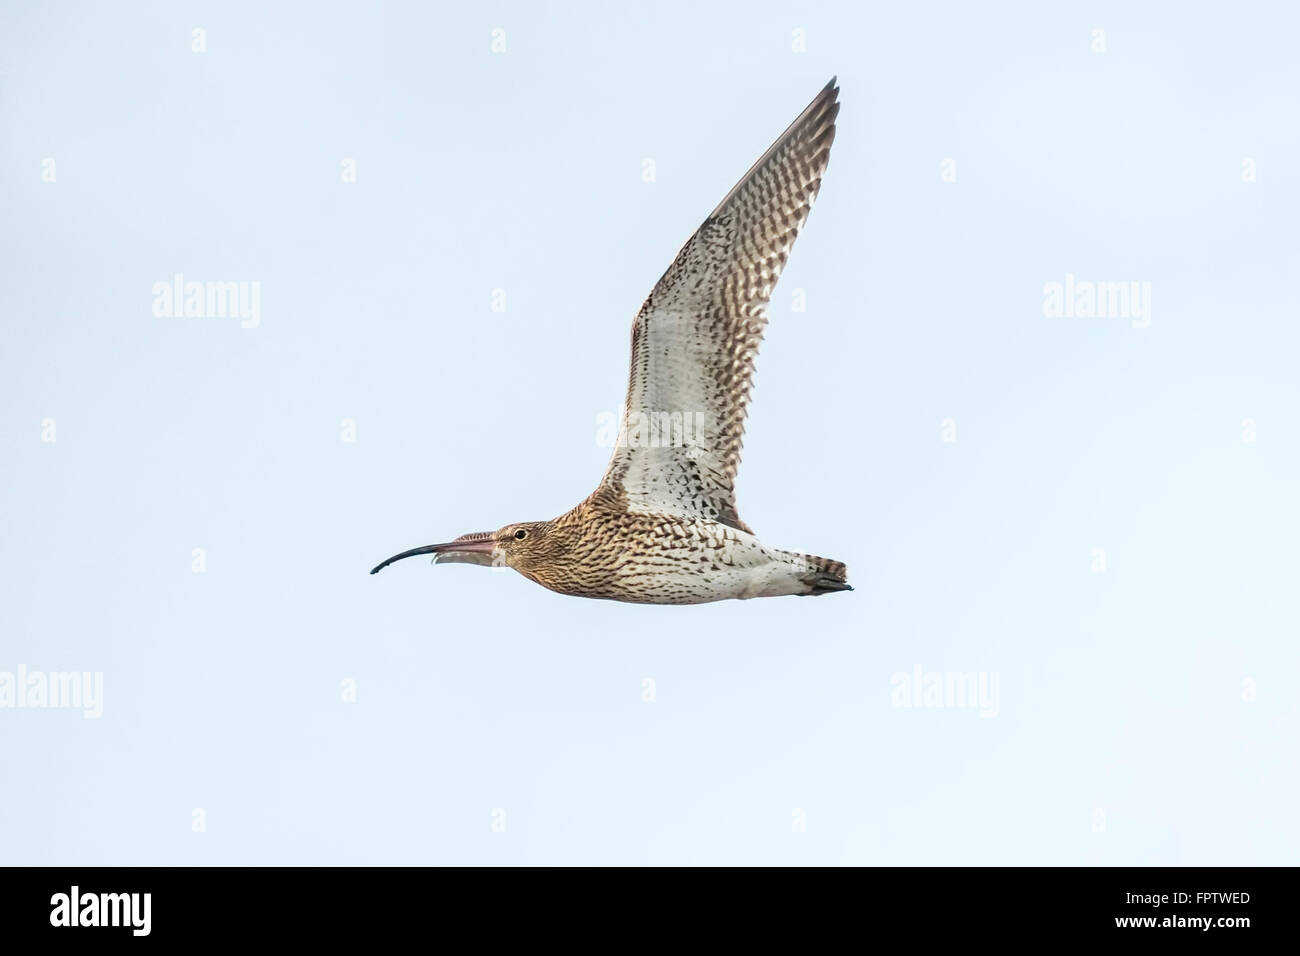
[[822, 575]]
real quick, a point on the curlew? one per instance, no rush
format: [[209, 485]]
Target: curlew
[[662, 527]]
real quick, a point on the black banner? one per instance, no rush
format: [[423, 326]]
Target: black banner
[[1149, 905]]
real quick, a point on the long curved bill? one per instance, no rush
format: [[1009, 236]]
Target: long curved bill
[[467, 549]]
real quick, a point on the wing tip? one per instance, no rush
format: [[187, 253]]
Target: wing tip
[[816, 119]]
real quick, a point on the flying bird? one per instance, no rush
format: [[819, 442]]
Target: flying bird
[[662, 527]]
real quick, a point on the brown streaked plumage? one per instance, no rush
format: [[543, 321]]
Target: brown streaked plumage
[[662, 527]]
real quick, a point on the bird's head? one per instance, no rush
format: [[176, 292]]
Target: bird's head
[[526, 546]]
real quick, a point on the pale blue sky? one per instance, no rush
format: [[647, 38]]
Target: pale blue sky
[[1122, 732]]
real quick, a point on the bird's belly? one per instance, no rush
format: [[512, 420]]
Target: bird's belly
[[693, 586], [740, 569]]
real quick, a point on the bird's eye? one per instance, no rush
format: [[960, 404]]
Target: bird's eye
[[521, 534]]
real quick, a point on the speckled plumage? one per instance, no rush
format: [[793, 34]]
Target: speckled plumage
[[662, 527]]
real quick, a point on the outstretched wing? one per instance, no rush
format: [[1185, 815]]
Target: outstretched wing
[[696, 337]]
